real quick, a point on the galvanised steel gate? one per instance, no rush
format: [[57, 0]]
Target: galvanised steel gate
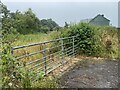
[[51, 54]]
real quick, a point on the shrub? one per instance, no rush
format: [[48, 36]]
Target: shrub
[[94, 40], [85, 37]]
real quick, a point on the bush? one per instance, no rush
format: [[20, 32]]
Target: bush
[[94, 40], [85, 37]]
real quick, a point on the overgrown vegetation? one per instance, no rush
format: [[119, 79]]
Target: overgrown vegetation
[[94, 40], [13, 75], [85, 37], [20, 28], [107, 42]]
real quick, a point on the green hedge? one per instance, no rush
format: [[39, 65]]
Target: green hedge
[[94, 40], [85, 37]]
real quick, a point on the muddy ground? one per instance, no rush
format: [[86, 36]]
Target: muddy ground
[[91, 74]]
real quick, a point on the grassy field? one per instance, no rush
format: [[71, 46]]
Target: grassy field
[[103, 35], [30, 38], [35, 38]]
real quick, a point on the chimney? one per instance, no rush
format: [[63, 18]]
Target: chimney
[[102, 15]]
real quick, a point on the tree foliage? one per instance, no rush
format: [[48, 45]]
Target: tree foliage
[[27, 22], [48, 25], [66, 25]]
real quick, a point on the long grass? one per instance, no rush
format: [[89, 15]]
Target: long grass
[[30, 38], [35, 38], [101, 33], [104, 35]]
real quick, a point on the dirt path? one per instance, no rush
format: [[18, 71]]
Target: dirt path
[[91, 74]]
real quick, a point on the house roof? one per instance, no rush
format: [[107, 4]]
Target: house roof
[[89, 20], [100, 15]]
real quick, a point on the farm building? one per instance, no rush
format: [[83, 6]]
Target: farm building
[[98, 20]]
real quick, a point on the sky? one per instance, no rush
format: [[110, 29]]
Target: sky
[[119, 14], [71, 11]]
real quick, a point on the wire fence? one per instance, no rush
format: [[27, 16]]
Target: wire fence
[[50, 54]]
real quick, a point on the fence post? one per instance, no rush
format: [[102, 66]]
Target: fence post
[[73, 38], [62, 46], [45, 58]]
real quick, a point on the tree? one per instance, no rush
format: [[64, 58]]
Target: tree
[[7, 23], [66, 25], [27, 22], [4, 10], [50, 24]]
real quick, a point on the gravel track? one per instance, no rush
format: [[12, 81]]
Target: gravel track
[[90, 74]]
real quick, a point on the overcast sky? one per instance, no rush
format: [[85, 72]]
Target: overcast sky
[[73, 12]]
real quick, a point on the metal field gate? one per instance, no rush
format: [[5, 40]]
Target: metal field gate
[[46, 56]]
